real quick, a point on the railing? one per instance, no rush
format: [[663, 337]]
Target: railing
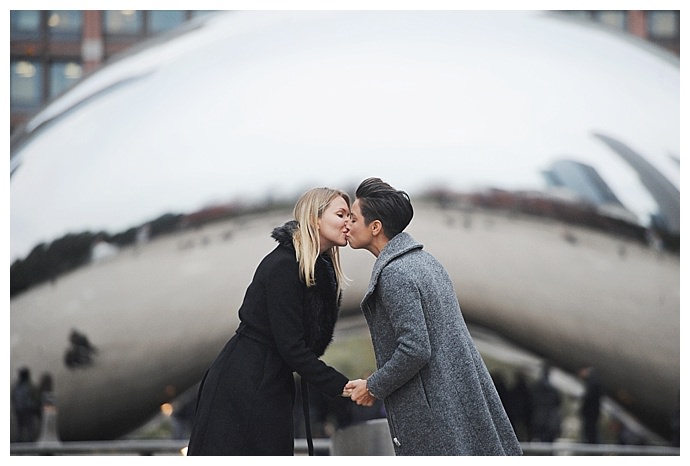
[[322, 447], [561, 448], [154, 447]]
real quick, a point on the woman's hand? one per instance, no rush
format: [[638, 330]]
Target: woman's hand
[[359, 392]]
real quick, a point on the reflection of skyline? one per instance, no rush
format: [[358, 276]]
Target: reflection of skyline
[[664, 193], [581, 179], [585, 181], [586, 184]]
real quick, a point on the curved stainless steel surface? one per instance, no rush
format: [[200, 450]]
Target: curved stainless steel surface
[[548, 152]]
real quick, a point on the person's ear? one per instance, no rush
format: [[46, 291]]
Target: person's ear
[[376, 227]]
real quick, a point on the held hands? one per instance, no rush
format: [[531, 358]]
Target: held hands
[[357, 391]]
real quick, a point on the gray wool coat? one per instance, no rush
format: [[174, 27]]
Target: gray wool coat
[[438, 394]]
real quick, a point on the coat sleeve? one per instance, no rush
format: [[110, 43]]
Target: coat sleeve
[[403, 305], [285, 299]]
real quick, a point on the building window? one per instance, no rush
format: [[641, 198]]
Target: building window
[[162, 20], [65, 25], [25, 24], [123, 22], [25, 83], [663, 24], [63, 75], [616, 19]]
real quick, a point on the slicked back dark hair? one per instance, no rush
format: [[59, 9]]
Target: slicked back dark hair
[[380, 201]]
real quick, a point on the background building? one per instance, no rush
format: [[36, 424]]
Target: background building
[[50, 50], [661, 27]]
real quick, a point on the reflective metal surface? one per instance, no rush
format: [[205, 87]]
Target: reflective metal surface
[[547, 151]]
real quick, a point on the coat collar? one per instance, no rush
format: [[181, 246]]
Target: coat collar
[[401, 244], [283, 234]]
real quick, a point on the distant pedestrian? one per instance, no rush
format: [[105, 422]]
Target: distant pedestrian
[[546, 405], [182, 418], [519, 407], [590, 408], [26, 406]]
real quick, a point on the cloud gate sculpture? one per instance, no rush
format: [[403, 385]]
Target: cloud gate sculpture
[[542, 156]]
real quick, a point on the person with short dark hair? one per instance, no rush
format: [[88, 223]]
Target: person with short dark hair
[[437, 391]]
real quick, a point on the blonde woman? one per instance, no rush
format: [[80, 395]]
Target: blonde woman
[[245, 401]]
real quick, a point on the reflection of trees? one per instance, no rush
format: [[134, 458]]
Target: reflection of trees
[[575, 212], [47, 261]]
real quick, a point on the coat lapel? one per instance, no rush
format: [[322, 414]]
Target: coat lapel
[[399, 245]]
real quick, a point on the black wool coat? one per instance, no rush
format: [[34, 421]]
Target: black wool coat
[[245, 401]]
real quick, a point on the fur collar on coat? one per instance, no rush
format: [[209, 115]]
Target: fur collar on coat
[[322, 301]]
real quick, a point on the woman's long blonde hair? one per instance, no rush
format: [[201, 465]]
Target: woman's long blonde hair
[[307, 212]]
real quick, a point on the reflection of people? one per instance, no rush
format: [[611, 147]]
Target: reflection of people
[[26, 405], [438, 394], [591, 405], [143, 236], [80, 352], [49, 429], [546, 416], [182, 416], [519, 407], [287, 319], [45, 388]]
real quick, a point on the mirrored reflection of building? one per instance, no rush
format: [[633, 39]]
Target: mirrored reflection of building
[[659, 27], [583, 181], [50, 50]]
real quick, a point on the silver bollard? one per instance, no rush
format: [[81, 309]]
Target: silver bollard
[[49, 428]]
